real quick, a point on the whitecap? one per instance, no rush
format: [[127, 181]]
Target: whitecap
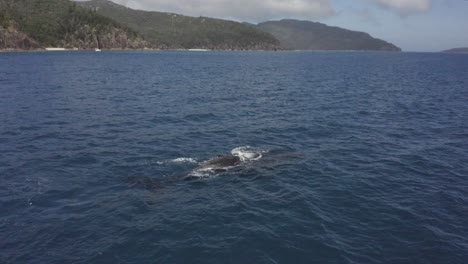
[[247, 153]]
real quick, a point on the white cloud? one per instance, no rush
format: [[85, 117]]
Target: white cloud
[[406, 7], [244, 10], [262, 10]]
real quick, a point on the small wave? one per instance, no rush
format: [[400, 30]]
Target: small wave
[[248, 153], [177, 160]]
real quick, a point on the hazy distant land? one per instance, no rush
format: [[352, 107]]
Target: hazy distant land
[[457, 50], [307, 35]]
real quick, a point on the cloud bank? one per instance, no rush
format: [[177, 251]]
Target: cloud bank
[[406, 7], [262, 10], [244, 10]]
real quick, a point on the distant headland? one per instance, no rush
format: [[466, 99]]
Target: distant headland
[[457, 50]]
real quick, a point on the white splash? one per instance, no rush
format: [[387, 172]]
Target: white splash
[[184, 160], [247, 153]]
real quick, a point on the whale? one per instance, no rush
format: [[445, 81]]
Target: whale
[[215, 166]]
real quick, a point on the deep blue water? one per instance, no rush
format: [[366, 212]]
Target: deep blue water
[[364, 157]]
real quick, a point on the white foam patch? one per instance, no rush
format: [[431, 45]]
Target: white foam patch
[[184, 160], [247, 153], [177, 160], [204, 173], [209, 171]]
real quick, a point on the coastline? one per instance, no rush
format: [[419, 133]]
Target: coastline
[[68, 50], [145, 49], [191, 50]]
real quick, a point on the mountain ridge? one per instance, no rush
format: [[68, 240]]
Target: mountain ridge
[[170, 30], [175, 31], [35, 24]]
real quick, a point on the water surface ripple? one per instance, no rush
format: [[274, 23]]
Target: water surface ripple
[[364, 157]]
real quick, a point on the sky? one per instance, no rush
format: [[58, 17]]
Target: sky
[[413, 25]]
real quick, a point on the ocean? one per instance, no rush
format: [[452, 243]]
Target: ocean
[[347, 157]]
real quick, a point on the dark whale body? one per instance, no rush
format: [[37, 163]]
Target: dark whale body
[[216, 165], [219, 164]]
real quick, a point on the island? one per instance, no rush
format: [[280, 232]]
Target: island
[[57, 25]]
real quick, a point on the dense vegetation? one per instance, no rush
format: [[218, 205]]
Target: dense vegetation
[[166, 30], [4, 19], [61, 23], [11, 38], [306, 35]]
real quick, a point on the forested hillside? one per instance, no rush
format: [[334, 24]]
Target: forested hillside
[[167, 30], [61, 23]]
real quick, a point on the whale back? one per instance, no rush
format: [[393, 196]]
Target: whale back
[[220, 162]]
